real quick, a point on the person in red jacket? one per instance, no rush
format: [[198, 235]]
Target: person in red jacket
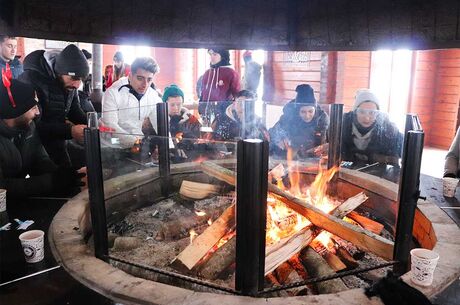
[[220, 84]]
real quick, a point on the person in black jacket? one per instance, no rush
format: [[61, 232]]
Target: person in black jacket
[[368, 135], [56, 77], [302, 127], [21, 152]]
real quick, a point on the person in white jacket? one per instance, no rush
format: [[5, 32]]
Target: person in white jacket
[[128, 102]]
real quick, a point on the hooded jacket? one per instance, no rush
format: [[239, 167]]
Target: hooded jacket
[[21, 154], [382, 143], [220, 83], [123, 112], [15, 66], [60, 108]]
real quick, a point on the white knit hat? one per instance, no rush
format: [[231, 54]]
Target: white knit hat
[[365, 95]]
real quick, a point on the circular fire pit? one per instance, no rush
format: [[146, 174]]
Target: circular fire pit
[[432, 229]]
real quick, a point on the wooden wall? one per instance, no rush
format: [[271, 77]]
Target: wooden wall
[[353, 73], [289, 72], [446, 101]]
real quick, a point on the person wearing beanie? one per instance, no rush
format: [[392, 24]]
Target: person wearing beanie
[[184, 127], [21, 151], [302, 127], [252, 71], [219, 85], [368, 135], [56, 77]]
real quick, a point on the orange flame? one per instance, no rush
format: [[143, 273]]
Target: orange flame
[[325, 239]]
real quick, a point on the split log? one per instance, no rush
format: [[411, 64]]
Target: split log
[[192, 254], [180, 228], [317, 267], [367, 223], [346, 257], [332, 260], [286, 274], [126, 243], [219, 260], [363, 239], [196, 190]]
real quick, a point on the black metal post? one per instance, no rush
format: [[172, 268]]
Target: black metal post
[[163, 147], [249, 115], [335, 136], [96, 192], [251, 215], [408, 196]]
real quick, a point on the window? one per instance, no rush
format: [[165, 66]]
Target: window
[[390, 80]]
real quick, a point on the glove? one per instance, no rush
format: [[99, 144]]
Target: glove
[[67, 181]]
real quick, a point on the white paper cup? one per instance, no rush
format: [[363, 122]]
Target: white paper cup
[[2, 200], [448, 186], [33, 245], [423, 264]]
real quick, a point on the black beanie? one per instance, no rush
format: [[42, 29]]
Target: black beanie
[[23, 96], [305, 95], [71, 61], [225, 56]]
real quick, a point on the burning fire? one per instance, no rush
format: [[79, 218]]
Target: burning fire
[[325, 239], [283, 221]]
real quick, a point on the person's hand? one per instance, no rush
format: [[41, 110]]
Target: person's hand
[[78, 133], [283, 144], [67, 181]]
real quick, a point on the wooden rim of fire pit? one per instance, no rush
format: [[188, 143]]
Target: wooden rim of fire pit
[[432, 228]]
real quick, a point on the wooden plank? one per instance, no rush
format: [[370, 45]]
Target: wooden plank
[[366, 223], [363, 239], [201, 245]]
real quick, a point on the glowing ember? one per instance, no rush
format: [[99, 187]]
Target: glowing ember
[[193, 234], [325, 239], [200, 213], [209, 221]]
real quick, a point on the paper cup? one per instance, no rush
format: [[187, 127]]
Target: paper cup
[[423, 263], [2, 200], [33, 245], [448, 186]]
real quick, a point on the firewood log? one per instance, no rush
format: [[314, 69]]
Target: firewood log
[[196, 190], [219, 260], [317, 267], [366, 223]]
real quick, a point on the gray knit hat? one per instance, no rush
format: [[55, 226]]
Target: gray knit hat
[[71, 61], [365, 95]]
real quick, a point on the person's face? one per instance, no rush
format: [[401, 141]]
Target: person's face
[[24, 121], [174, 105], [117, 63], [8, 50], [70, 83], [238, 105], [140, 80], [366, 114], [215, 57], [307, 113]]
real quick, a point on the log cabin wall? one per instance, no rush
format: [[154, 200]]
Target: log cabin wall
[[423, 88], [353, 73], [291, 69], [446, 101]]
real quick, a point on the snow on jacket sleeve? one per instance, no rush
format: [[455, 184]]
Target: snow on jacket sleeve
[[452, 157], [110, 119]]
